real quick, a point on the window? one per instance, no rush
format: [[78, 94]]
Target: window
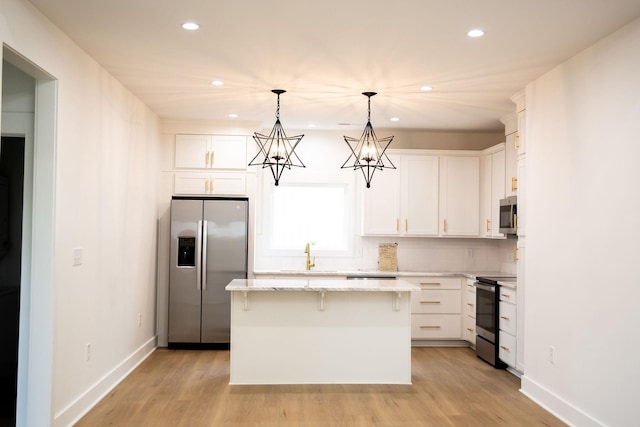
[[310, 213]]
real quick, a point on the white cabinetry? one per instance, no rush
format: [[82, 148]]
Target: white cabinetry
[[209, 183], [492, 173], [469, 313], [459, 195], [211, 152], [210, 165], [404, 201], [508, 326], [510, 122], [520, 304], [435, 309]]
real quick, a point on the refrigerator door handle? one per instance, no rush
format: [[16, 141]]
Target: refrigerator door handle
[[199, 257], [204, 256]]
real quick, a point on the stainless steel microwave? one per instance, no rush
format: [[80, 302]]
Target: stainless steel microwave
[[509, 215]]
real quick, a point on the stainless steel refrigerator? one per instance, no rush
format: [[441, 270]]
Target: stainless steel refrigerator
[[208, 250]]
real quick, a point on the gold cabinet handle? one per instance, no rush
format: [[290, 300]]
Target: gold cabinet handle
[[212, 158], [406, 224], [505, 348], [397, 224], [429, 283], [469, 304], [505, 295], [430, 327], [429, 302], [515, 221], [488, 225], [515, 254], [516, 141], [469, 329], [514, 183], [445, 225], [504, 317]]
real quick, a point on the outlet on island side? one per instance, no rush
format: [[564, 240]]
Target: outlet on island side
[[551, 351], [139, 320], [88, 352]]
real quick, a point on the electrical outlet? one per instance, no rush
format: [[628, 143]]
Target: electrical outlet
[[469, 253], [139, 320], [551, 351], [77, 256], [88, 352]]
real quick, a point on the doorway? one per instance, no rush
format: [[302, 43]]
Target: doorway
[[12, 151]]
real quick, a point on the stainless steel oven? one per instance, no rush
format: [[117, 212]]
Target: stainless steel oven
[[487, 325]]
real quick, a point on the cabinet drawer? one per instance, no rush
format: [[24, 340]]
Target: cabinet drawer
[[507, 317], [469, 308], [507, 294], [436, 326], [427, 283], [507, 349], [210, 183], [469, 331], [444, 301]]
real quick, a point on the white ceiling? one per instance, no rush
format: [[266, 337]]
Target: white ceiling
[[325, 53]]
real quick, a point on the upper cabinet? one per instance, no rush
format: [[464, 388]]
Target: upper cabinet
[[403, 202], [211, 152], [459, 195], [492, 177], [510, 122]]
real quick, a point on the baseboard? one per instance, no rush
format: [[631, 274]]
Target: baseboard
[[553, 403], [76, 410], [439, 343]]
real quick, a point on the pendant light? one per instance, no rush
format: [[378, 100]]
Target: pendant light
[[277, 149], [368, 152]]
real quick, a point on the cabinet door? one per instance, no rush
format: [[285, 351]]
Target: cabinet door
[[419, 195], [381, 203], [511, 160], [459, 196], [210, 183], [522, 197], [497, 191], [521, 144], [228, 152], [192, 151], [486, 197]]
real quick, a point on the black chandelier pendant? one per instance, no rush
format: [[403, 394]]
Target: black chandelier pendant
[[368, 152], [277, 150]]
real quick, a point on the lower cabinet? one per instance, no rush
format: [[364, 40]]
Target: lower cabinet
[[469, 315], [507, 325], [436, 309]]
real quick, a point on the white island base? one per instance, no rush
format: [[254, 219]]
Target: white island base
[[320, 332]]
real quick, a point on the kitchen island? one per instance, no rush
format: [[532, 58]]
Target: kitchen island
[[286, 331]]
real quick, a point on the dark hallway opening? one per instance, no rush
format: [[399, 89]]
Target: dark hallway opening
[[12, 151]]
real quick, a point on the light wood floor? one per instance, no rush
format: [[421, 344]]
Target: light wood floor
[[451, 387]]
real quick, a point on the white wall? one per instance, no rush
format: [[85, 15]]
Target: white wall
[[106, 174], [583, 283]]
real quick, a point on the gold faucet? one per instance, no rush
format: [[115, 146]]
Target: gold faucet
[[308, 252]]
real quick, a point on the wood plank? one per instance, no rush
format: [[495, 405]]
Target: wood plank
[[451, 387]]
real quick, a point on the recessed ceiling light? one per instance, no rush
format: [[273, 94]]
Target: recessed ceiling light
[[217, 83], [395, 119], [190, 26], [311, 125], [233, 116], [476, 33], [426, 88]]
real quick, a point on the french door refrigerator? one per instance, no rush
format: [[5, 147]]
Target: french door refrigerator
[[208, 250]]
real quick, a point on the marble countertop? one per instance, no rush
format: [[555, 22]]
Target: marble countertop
[[376, 273], [320, 285]]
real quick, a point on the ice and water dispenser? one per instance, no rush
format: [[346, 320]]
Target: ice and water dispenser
[[186, 251]]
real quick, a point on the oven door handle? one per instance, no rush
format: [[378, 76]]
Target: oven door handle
[[489, 288]]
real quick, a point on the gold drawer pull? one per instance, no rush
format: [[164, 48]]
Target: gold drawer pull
[[514, 183], [430, 327], [429, 283], [505, 295], [429, 302], [469, 304], [504, 317], [505, 348], [469, 329]]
